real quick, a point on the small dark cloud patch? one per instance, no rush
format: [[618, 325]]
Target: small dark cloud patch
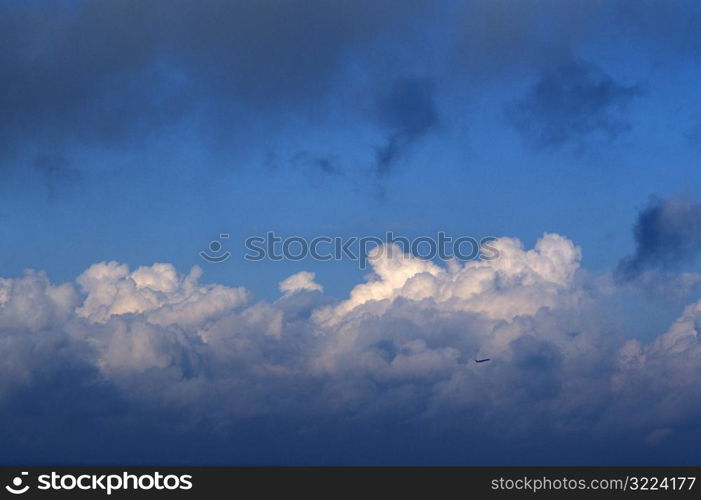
[[574, 103], [56, 172], [317, 168], [318, 164], [667, 234], [408, 113]]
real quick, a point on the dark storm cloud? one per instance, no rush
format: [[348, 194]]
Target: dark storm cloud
[[106, 72], [503, 38], [573, 103], [498, 38], [667, 234], [407, 112], [109, 73]]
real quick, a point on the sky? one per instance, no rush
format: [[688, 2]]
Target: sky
[[135, 132]]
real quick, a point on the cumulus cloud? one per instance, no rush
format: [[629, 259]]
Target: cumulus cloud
[[416, 328], [501, 288], [667, 234], [32, 303], [156, 292], [205, 363], [301, 281], [573, 103], [667, 370]]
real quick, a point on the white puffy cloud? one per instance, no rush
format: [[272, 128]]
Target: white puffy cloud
[[32, 303], [416, 326], [667, 371], [157, 292], [518, 282], [401, 345], [303, 280], [32, 313]]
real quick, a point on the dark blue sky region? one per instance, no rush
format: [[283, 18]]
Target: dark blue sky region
[[134, 132]]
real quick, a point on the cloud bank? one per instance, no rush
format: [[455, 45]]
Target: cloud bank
[[155, 365], [121, 76]]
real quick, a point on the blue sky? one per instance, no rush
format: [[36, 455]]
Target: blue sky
[[139, 131]]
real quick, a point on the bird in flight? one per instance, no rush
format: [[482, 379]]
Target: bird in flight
[[482, 360]]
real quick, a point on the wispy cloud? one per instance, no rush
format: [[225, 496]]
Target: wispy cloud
[[572, 104], [407, 112]]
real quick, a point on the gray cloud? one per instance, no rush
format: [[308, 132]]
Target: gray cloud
[[501, 38], [407, 112], [667, 235], [109, 73], [498, 38], [572, 104]]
